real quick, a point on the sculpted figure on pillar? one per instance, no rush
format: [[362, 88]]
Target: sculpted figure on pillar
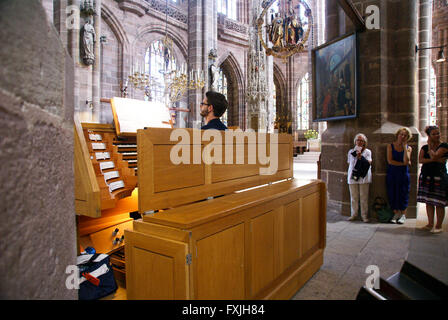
[[88, 42]]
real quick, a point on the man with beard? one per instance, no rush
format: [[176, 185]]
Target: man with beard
[[213, 106]]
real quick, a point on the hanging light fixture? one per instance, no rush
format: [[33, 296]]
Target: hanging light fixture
[[440, 54], [177, 81], [288, 30]]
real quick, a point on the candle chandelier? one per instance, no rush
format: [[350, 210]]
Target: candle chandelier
[[287, 31], [176, 78], [177, 81]]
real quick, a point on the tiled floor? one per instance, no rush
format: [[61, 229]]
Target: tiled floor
[[352, 246]]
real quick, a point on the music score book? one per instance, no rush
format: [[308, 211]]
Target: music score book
[[131, 114]]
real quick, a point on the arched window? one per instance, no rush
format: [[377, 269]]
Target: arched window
[[222, 88], [432, 98], [303, 104], [227, 7], [157, 60]]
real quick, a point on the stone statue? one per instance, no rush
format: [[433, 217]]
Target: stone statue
[[214, 77], [277, 31], [88, 42]]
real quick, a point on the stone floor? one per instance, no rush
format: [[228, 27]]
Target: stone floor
[[352, 246]]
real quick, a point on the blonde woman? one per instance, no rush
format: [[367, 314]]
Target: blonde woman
[[398, 180], [359, 176]]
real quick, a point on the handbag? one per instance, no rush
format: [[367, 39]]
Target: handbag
[[383, 212], [96, 276]]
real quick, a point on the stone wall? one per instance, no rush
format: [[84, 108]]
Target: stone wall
[[387, 90], [36, 151], [440, 38]]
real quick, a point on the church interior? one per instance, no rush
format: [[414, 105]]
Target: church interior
[[92, 93]]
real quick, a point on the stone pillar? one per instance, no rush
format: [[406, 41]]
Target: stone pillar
[[424, 41], [439, 38], [387, 100], [202, 36], [36, 151]]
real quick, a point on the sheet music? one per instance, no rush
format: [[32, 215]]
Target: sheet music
[[107, 165], [98, 146], [133, 114]]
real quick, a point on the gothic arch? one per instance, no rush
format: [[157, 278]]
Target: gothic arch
[[112, 21], [123, 42], [152, 32], [111, 74], [232, 70], [281, 96]]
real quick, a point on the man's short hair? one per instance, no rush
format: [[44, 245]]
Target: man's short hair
[[218, 101]]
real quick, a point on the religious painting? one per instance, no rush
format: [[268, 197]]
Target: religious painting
[[335, 87]]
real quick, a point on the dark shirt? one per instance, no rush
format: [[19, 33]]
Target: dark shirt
[[433, 169], [214, 124]]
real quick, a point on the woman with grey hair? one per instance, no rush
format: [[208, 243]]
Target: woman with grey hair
[[359, 176]]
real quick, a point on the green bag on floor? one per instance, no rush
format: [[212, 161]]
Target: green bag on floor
[[383, 212]]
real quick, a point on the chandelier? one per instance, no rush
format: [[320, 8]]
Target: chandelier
[[177, 81], [287, 30]]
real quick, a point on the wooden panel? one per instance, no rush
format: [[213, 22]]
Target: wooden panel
[[87, 192], [189, 216], [167, 174], [262, 251], [310, 218], [159, 180], [233, 170], [220, 265], [292, 233], [155, 267], [103, 241]]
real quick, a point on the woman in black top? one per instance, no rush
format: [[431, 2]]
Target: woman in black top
[[433, 180]]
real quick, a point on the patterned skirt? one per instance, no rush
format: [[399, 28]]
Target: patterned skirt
[[430, 191]]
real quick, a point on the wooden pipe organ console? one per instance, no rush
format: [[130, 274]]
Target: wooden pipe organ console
[[105, 189], [106, 194]]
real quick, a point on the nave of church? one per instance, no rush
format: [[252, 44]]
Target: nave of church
[[101, 106]]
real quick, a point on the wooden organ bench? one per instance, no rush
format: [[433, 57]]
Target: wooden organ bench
[[221, 231]]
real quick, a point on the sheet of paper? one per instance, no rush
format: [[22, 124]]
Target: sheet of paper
[[132, 114]]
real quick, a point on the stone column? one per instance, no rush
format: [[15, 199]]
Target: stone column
[[424, 41], [439, 38], [202, 36], [36, 151], [387, 100]]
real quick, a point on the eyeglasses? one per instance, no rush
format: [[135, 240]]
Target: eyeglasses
[[205, 104]]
